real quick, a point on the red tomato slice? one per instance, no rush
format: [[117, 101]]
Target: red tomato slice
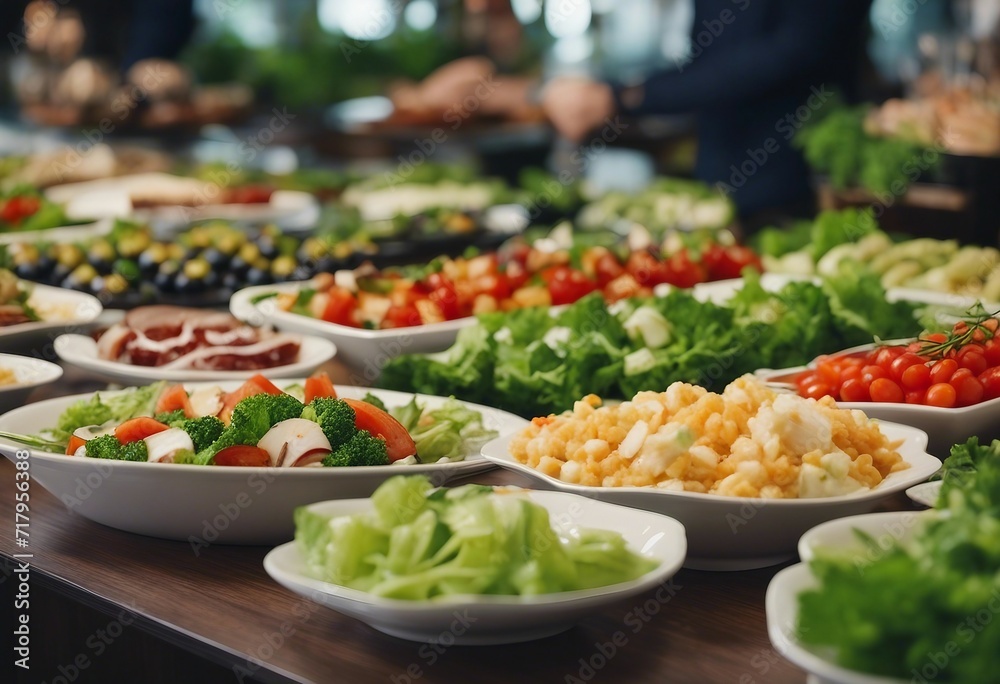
[[138, 428], [242, 455], [372, 419], [319, 385], [401, 316], [74, 444], [173, 398], [264, 384], [340, 307]]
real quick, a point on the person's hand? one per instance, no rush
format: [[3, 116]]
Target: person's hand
[[449, 86], [576, 106]]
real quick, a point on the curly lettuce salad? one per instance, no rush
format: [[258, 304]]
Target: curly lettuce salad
[[532, 363], [419, 543], [259, 424], [928, 604]]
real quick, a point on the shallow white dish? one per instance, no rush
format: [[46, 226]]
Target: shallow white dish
[[213, 504], [58, 308], [82, 231], [499, 619], [81, 351], [366, 352], [30, 373], [728, 533], [721, 291], [886, 529], [782, 607], [926, 493], [945, 427], [781, 601]]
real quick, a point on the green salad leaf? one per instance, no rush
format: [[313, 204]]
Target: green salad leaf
[[419, 543], [99, 409]]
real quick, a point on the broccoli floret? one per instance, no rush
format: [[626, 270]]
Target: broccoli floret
[[172, 418], [105, 446], [334, 416], [362, 449], [250, 420], [135, 451], [108, 446], [203, 431]]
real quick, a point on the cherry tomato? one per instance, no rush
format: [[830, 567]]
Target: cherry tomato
[[646, 269], [942, 371], [829, 371], [990, 380], [517, 275], [495, 285], [567, 285], [916, 396], [817, 390], [974, 361], [374, 420], [242, 455], [16, 209], [607, 268], [901, 363], [442, 293], [723, 263], [941, 394], [886, 391], [871, 373], [854, 390], [991, 350], [916, 377], [682, 272], [968, 390], [340, 307], [884, 356], [175, 398]]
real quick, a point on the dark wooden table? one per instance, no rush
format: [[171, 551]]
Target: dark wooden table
[[156, 610]]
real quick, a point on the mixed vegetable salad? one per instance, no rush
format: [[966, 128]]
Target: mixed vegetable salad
[[531, 362], [23, 208], [461, 541], [893, 610], [259, 424], [518, 276], [14, 295]]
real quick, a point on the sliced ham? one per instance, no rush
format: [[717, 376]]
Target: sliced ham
[[178, 338]]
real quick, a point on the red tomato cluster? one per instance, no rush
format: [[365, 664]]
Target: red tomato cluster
[[960, 369], [16, 209]]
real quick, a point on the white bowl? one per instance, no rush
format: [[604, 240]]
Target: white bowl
[[926, 493], [782, 607], [213, 504], [30, 373], [58, 308], [499, 619], [730, 533], [886, 529], [81, 351], [945, 426], [366, 352], [82, 231]]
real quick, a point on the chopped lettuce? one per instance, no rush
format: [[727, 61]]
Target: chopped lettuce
[[892, 611], [419, 543], [137, 401], [444, 433]]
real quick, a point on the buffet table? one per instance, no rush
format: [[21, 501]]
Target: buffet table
[[222, 612]]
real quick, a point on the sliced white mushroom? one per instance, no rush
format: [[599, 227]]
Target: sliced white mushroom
[[89, 432], [164, 445], [295, 442]]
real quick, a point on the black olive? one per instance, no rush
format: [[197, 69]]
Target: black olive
[[232, 281], [326, 265], [302, 272], [45, 265], [59, 273], [215, 258], [258, 276], [185, 285], [28, 271], [238, 265], [164, 282], [153, 256], [212, 280], [268, 248]]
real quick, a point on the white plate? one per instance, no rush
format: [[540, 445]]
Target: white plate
[[214, 504], [782, 606], [944, 426], [58, 308], [721, 291], [729, 533], [30, 373], [366, 352], [81, 351], [499, 619], [782, 603], [926, 493], [61, 234]]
